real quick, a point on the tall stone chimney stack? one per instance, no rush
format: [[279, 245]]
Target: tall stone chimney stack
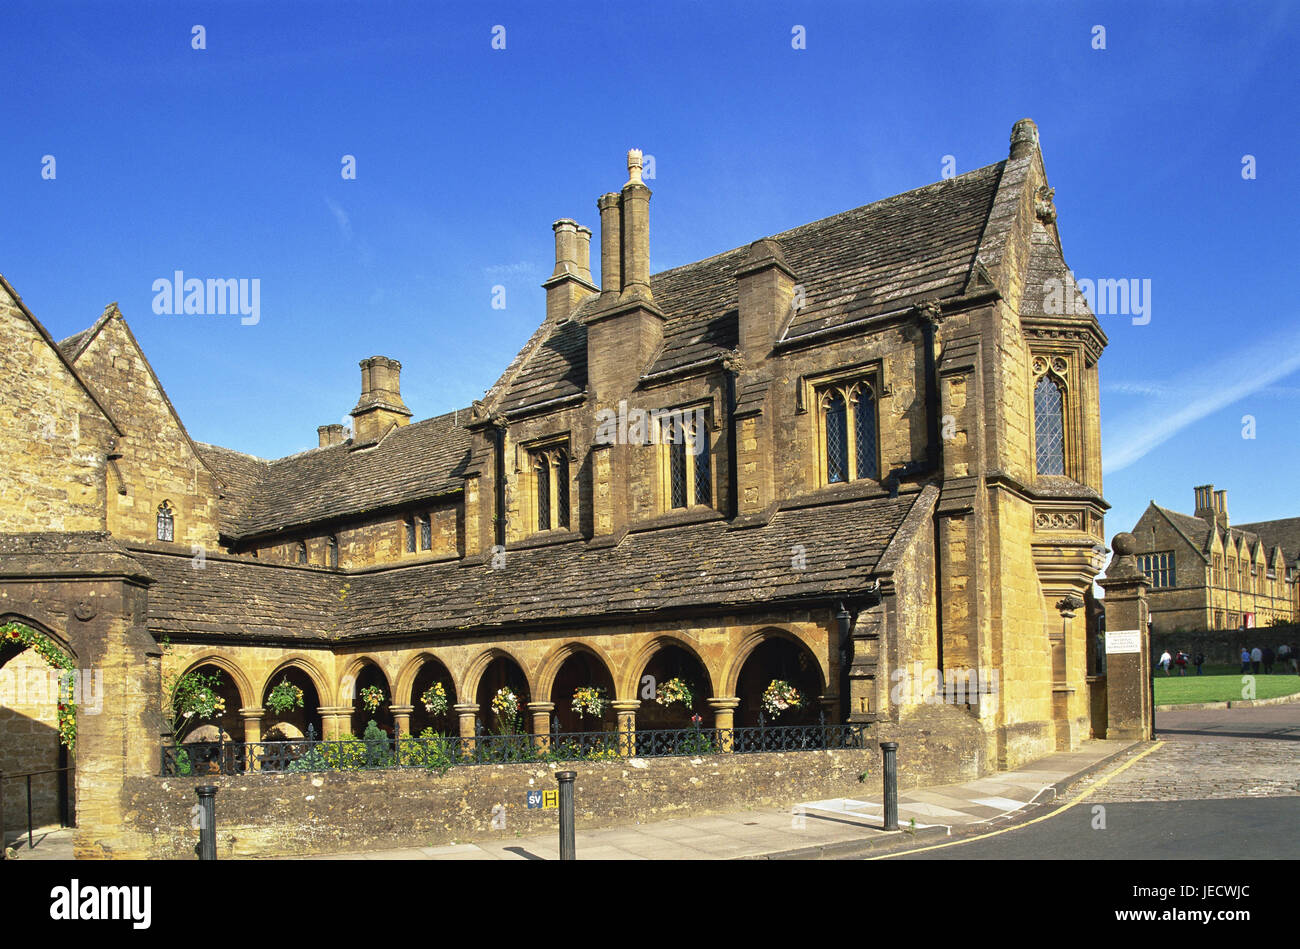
[[1221, 508], [330, 435], [636, 232], [570, 282], [611, 245], [380, 406]]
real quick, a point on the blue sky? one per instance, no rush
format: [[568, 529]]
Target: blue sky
[[225, 162]]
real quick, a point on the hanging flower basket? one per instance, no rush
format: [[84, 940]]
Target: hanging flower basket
[[284, 697], [205, 703], [506, 704], [589, 700], [372, 696], [674, 691], [780, 696], [434, 699]]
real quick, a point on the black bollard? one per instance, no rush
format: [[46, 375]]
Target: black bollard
[[567, 845], [890, 748], [207, 822]]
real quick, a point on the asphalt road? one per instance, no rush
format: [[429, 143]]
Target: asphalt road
[[1224, 784]]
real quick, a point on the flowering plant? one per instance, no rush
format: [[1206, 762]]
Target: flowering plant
[[19, 635], [506, 704], [434, 699], [283, 697], [589, 699], [675, 690], [204, 703], [779, 696], [372, 696]]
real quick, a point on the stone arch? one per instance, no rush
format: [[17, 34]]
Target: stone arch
[[570, 666], [43, 628], [751, 641], [469, 678], [550, 666], [629, 684], [247, 697], [780, 654], [417, 674], [309, 668], [361, 672]]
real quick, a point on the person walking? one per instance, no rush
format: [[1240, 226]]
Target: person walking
[[1245, 660], [1256, 657], [1165, 659], [1180, 660], [1268, 660], [1199, 661]]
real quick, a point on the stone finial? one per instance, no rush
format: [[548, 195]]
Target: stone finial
[[1024, 138], [1123, 563], [634, 167]]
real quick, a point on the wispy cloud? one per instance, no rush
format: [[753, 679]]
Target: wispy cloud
[[341, 216], [1195, 394]]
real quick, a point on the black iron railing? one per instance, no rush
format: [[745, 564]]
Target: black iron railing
[[67, 805], [440, 753]]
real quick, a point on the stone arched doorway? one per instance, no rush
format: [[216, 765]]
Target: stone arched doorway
[[432, 672], [30, 692], [784, 660], [226, 725], [503, 673], [672, 662], [582, 670]]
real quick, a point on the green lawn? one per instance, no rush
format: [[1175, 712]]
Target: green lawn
[[1221, 684]]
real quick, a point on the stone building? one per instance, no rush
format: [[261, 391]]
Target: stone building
[[861, 456], [1207, 574]]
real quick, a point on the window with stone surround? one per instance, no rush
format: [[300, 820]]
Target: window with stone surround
[[302, 551], [426, 532], [1218, 570], [409, 524], [332, 549], [848, 431], [1159, 568], [1051, 375], [549, 469], [166, 522], [686, 467]]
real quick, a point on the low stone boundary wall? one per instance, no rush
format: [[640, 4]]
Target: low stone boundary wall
[[262, 815], [1223, 646]]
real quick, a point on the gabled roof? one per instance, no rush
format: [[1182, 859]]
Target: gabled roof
[[1194, 530], [870, 260], [411, 463], [1284, 533], [700, 565]]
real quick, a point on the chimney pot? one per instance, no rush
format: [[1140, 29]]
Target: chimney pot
[[330, 435], [1024, 138]]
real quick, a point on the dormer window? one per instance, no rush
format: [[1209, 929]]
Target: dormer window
[[550, 469], [848, 437], [166, 522], [689, 462]]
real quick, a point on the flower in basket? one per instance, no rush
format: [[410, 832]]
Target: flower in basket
[[434, 699], [675, 690], [372, 696], [284, 697], [506, 704], [780, 696], [589, 700]]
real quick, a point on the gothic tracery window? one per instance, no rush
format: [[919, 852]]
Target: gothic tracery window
[[849, 432], [166, 522], [551, 483], [1049, 414]]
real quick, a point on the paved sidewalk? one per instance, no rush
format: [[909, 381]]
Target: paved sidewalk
[[809, 829]]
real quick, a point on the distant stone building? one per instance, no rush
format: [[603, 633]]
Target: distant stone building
[[1207, 574], [861, 456]]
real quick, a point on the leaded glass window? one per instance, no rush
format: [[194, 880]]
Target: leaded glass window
[[703, 470], [166, 523], [410, 535], [543, 494], [837, 440], [302, 551], [426, 532], [864, 428], [1049, 426], [1159, 568], [562, 489], [333, 547], [677, 464]]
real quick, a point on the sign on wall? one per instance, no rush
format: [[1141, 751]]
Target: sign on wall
[[550, 800], [1121, 641]]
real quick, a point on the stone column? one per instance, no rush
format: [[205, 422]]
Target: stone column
[[625, 710], [402, 718], [252, 733], [541, 712], [724, 716], [335, 721], [466, 713], [1128, 649]]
